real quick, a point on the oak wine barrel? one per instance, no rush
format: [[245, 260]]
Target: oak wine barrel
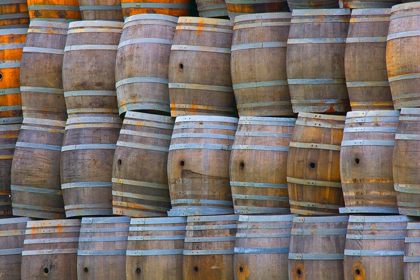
[[307, 4], [101, 10], [212, 8], [54, 10], [411, 264], [175, 8], [14, 14], [241, 7]]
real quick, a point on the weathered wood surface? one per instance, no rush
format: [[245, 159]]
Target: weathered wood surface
[[241, 7], [175, 8], [14, 14], [411, 264], [101, 10], [56, 10], [368, 4], [212, 8], [306, 4]]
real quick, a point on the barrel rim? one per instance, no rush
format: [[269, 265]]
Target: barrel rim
[[51, 24], [150, 117], [321, 219], [369, 12], [321, 12], [267, 218], [410, 111], [218, 218], [139, 17], [321, 116], [203, 20], [405, 6], [96, 24], [373, 113], [105, 220], [14, 220], [16, 31], [158, 221], [54, 223], [247, 17], [8, 127], [11, 2], [267, 119], [205, 118], [379, 219]]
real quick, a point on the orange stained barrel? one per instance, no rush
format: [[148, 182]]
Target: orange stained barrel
[[56, 10], [13, 14], [175, 8]]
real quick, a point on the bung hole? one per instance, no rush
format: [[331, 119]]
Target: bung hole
[[119, 162], [86, 269], [195, 269], [181, 66], [241, 269], [312, 165], [182, 163], [357, 161], [138, 270], [46, 270], [358, 272], [298, 271]]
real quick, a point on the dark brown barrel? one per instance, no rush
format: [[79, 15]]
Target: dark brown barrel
[[375, 247], [412, 249], [55, 10], [212, 8], [89, 66], [142, 190], [366, 162], [365, 60], [209, 247], [8, 138], [368, 4], [242, 7], [259, 44], [258, 165], [86, 164], [102, 248], [262, 247], [315, 60], [42, 86], [175, 8], [198, 165], [50, 250], [402, 59], [199, 68], [101, 10], [313, 165], [306, 4], [142, 63], [36, 189], [317, 248], [155, 247], [12, 234], [14, 14], [406, 162]]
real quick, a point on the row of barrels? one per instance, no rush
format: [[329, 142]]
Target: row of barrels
[[212, 247]]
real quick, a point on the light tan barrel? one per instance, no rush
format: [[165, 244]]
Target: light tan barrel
[[258, 165], [142, 190], [259, 45], [366, 162], [101, 10], [155, 247], [54, 10], [365, 60], [142, 63], [13, 14], [199, 68], [411, 254], [50, 250]]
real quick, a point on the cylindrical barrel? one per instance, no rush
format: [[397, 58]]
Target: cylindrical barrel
[[315, 60], [262, 247], [175, 8], [411, 264], [366, 162], [212, 8], [402, 59], [86, 164], [310, 4], [12, 42], [368, 4], [258, 165], [365, 60], [258, 46], [14, 14], [36, 189], [101, 10], [102, 248], [42, 88], [209, 247], [317, 248], [55, 10], [50, 250], [313, 165], [242, 7], [406, 162], [8, 138], [142, 63], [155, 247], [89, 66], [199, 68], [198, 165], [12, 235], [141, 190], [375, 247]]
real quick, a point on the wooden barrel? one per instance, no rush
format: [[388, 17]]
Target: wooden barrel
[[411, 264], [209, 247], [375, 247], [368, 4], [90, 87], [212, 8], [101, 10], [242, 7], [199, 68], [8, 138], [86, 164], [56, 10], [142, 63], [36, 189], [12, 235], [313, 165], [42, 90], [14, 14], [198, 165], [155, 247], [259, 44], [403, 63], [406, 162], [366, 162], [306, 4], [317, 247], [365, 60], [315, 60], [258, 162], [50, 250], [142, 190], [12, 42], [262, 247], [102, 248], [175, 8]]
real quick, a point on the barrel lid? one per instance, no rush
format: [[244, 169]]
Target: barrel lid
[[379, 219], [212, 218], [246, 17], [369, 12], [373, 113], [405, 6], [323, 219], [206, 119], [54, 223], [140, 17], [410, 111], [50, 24], [321, 12], [158, 221], [149, 117], [321, 116], [202, 20], [266, 218], [96, 23]]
